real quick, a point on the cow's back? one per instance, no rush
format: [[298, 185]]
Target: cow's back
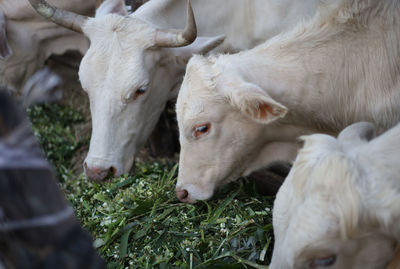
[[245, 23], [33, 39]]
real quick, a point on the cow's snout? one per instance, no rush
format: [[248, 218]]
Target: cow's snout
[[99, 174], [183, 195]]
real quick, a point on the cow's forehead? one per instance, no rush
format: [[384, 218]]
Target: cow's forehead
[[308, 203], [117, 56], [131, 30], [303, 225], [198, 89]]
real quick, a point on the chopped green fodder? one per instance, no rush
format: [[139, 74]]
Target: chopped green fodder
[[137, 221], [53, 126]]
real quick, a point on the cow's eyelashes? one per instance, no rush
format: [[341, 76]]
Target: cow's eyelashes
[[135, 94], [140, 91], [323, 262], [201, 129]]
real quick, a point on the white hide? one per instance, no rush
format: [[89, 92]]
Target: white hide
[[32, 39], [338, 68], [122, 59], [340, 202], [111, 7]]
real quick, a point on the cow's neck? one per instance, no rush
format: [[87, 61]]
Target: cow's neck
[[251, 26], [327, 76], [168, 13]]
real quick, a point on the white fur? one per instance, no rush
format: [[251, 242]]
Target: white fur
[[32, 39], [340, 199], [111, 6], [122, 58], [338, 68]]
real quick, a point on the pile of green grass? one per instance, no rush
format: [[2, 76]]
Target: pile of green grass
[[137, 221], [54, 126]]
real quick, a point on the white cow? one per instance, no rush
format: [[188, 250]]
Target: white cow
[[27, 40], [340, 205], [129, 74], [237, 113]]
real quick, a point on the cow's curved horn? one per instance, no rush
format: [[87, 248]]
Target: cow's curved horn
[[64, 18], [178, 38]]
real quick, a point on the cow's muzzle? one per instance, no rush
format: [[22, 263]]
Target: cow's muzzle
[[99, 174]]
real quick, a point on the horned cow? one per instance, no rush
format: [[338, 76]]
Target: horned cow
[[237, 113], [134, 65]]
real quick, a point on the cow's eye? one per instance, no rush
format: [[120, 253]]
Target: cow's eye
[[135, 94], [139, 92], [201, 129], [323, 262]]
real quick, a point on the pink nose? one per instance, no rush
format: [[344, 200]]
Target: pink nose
[[99, 174], [182, 195]]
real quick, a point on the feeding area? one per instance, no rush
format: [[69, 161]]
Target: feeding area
[[199, 134], [138, 222]]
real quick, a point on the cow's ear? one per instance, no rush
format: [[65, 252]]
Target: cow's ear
[[255, 103], [357, 134], [111, 6], [202, 45], [5, 50]]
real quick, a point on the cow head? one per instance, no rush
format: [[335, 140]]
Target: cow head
[[5, 50], [130, 72], [322, 214], [222, 124]]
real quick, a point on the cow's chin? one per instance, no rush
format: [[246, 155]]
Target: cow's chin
[[102, 169]]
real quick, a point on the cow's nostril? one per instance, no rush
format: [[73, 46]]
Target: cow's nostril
[[113, 171], [182, 195]]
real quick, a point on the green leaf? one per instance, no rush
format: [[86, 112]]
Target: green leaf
[[222, 207], [98, 243], [124, 244]]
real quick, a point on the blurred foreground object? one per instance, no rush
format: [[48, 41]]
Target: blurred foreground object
[[42, 87], [38, 228], [395, 263]]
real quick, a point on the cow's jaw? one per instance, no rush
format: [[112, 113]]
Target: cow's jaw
[[111, 144], [206, 165]]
